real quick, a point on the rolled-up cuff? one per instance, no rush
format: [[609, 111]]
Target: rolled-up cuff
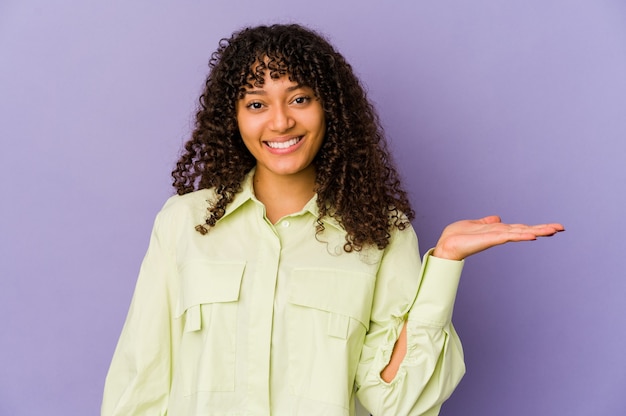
[[435, 297]]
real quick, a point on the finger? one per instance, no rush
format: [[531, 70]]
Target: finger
[[554, 227], [490, 219], [548, 228], [536, 231]]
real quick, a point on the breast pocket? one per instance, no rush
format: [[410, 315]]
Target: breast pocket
[[208, 305], [328, 316]]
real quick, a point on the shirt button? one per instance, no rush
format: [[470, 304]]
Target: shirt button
[[285, 224]]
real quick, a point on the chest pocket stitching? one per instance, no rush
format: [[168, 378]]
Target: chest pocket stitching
[[206, 285], [203, 282], [340, 292]]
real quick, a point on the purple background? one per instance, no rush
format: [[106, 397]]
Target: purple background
[[509, 107]]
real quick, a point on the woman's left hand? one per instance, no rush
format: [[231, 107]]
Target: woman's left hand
[[464, 238]]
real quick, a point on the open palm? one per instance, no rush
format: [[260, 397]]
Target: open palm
[[465, 238]]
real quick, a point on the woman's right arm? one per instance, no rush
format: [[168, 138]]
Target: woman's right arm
[[139, 378]]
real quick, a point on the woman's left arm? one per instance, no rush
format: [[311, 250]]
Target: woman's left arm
[[462, 239], [412, 359]]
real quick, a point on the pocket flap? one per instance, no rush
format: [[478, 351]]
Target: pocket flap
[[338, 291], [204, 281]]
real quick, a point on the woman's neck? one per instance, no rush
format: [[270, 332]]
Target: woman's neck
[[283, 194]]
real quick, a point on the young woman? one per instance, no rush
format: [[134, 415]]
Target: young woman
[[285, 278]]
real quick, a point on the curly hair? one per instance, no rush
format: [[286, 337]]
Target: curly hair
[[356, 180]]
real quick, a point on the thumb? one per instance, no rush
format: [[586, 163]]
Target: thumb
[[491, 219]]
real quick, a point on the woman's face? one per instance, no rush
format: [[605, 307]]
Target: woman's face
[[282, 124]]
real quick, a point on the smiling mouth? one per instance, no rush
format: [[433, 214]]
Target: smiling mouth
[[285, 144]]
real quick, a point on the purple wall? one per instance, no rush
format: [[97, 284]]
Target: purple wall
[[516, 108]]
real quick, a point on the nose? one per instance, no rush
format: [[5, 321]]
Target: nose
[[281, 120]]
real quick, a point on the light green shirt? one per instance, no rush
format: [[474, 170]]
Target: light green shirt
[[260, 319]]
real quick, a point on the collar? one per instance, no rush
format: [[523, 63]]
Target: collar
[[312, 208], [247, 194]]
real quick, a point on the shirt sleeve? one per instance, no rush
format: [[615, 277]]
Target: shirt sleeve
[[422, 294], [139, 378]]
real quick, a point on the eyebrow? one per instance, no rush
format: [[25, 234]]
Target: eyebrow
[[263, 92]]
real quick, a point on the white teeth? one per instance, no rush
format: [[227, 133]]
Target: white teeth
[[284, 145]]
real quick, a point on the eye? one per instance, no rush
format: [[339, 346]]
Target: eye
[[254, 105], [302, 99]]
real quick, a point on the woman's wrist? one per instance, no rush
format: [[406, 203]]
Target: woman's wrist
[[441, 253]]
